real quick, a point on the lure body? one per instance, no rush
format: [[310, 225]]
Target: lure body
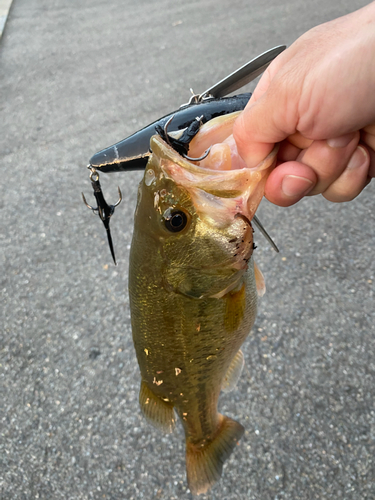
[[133, 152]]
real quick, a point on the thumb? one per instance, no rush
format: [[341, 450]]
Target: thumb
[[262, 124]]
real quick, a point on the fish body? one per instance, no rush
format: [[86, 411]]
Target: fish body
[[193, 297]]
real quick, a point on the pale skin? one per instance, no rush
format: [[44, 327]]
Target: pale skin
[[317, 99]]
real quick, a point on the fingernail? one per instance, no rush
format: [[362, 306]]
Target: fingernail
[[294, 186], [342, 141], [358, 158]]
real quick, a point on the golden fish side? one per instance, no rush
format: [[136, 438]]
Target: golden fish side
[[193, 300]]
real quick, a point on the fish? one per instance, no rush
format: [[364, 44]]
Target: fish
[[193, 289]]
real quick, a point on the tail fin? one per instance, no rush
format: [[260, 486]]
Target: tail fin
[[204, 465]]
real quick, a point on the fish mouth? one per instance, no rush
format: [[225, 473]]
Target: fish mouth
[[244, 218], [218, 193]]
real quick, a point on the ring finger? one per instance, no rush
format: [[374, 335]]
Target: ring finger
[[353, 179]]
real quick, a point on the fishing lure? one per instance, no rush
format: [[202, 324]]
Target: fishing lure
[[133, 152]]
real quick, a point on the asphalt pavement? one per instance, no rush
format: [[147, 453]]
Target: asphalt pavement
[[76, 77]]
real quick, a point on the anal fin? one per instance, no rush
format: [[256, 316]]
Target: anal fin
[[158, 412], [204, 464], [233, 373]]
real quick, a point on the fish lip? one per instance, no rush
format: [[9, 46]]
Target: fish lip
[[243, 216], [165, 151]]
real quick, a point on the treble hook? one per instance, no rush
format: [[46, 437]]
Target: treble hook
[[166, 130], [205, 154], [104, 210]]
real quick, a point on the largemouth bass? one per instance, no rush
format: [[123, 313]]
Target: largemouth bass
[[193, 289]]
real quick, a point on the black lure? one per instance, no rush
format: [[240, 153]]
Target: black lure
[[133, 152]]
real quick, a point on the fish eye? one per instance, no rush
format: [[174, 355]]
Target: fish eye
[[175, 220]]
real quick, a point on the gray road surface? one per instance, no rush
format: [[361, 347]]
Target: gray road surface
[[76, 77]]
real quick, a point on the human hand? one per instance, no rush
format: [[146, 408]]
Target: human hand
[[317, 99]]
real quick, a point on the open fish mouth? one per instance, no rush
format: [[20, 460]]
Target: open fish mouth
[[220, 185]]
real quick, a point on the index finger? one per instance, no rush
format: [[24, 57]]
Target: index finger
[[263, 121], [260, 126]]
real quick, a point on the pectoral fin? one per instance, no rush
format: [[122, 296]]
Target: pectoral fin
[[158, 412], [259, 280], [196, 284], [204, 465], [234, 372]]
